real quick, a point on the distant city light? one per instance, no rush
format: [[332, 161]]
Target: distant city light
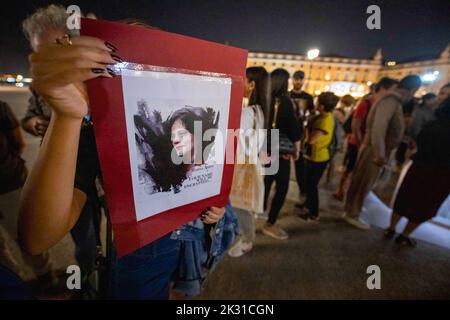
[[27, 80], [430, 77], [391, 63], [313, 53], [20, 84], [19, 78], [10, 79]]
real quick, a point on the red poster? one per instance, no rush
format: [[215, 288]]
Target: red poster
[[140, 120]]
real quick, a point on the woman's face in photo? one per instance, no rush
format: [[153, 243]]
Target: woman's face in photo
[[182, 139]]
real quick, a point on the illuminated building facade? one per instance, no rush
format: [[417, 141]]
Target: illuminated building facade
[[354, 76]]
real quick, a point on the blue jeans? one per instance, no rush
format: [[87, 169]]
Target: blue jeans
[[147, 272]]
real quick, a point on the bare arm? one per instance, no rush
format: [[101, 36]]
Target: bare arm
[[315, 135], [50, 205]]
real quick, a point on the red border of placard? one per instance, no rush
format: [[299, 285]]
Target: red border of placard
[[142, 45]]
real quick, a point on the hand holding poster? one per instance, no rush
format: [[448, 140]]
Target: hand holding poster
[[161, 128]]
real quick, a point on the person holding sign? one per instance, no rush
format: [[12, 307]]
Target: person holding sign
[[51, 202]]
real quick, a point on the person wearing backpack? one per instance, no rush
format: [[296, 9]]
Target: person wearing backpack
[[355, 127]]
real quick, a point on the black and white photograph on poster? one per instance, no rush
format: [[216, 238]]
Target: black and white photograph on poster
[[176, 128]]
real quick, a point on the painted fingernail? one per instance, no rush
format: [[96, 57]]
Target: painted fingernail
[[116, 58], [110, 46], [111, 72], [98, 70]]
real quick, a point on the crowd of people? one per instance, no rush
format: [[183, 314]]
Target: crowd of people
[[62, 193]]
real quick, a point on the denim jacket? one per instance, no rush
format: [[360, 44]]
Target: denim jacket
[[200, 252]]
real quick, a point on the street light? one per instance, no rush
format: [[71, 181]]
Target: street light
[[312, 54]]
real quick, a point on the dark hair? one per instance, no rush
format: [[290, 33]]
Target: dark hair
[[188, 115], [426, 97], [347, 100], [259, 96], [446, 86], [279, 81], [299, 74], [443, 112], [385, 83], [411, 82], [328, 100], [152, 133]]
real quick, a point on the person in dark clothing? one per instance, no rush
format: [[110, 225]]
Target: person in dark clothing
[[303, 107], [427, 182], [401, 152], [282, 118]]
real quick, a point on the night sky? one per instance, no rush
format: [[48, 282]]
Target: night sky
[[409, 28]]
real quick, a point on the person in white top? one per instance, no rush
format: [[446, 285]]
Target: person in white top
[[247, 192]]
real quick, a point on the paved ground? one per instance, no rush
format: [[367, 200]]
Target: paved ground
[[324, 260]]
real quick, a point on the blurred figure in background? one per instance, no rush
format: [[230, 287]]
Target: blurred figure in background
[[356, 124], [13, 174], [316, 152], [427, 182], [401, 154], [385, 128], [444, 93], [43, 26], [247, 191], [281, 117], [303, 108], [341, 114], [423, 114]]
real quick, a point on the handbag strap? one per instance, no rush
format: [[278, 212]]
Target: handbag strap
[[275, 113]]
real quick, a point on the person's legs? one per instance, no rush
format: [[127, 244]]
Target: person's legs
[[247, 233], [350, 162], [364, 176], [395, 218], [246, 224], [314, 171], [268, 181], [404, 239], [300, 174], [339, 194], [410, 227], [147, 272], [282, 186]]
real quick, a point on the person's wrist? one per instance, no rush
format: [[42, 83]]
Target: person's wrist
[[68, 119]]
